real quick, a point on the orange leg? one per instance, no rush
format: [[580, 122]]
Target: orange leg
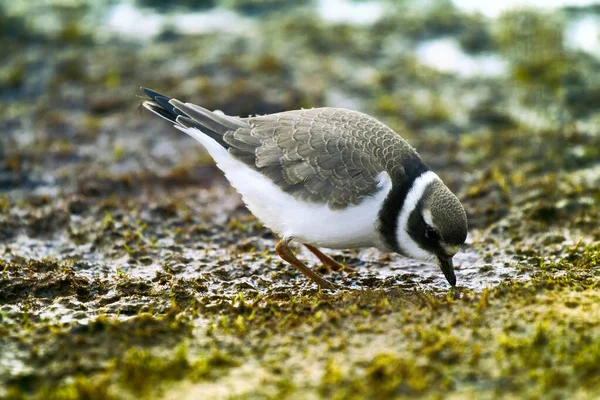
[[329, 263], [286, 254]]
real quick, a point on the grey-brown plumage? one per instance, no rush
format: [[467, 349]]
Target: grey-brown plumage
[[452, 218], [320, 155]]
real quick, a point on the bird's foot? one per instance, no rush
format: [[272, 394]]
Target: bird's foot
[[329, 263], [286, 254]]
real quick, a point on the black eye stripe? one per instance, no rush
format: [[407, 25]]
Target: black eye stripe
[[431, 233]]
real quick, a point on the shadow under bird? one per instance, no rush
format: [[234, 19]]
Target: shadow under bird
[[329, 177]]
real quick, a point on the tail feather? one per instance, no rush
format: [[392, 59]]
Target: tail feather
[[201, 116], [190, 116], [159, 105], [219, 120]]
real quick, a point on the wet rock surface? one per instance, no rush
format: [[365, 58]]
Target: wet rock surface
[[129, 268]]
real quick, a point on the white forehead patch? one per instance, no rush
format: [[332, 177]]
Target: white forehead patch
[[428, 218], [405, 242]]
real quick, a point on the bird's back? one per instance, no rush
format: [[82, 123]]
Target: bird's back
[[334, 130], [329, 156]]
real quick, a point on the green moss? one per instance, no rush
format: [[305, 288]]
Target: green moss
[[534, 43], [138, 367], [81, 387], [13, 77], [162, 284], [4, 204], [71, 32], [505, 339]]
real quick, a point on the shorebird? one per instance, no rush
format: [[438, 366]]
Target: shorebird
[[328, 177]]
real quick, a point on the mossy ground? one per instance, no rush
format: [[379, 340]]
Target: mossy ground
[[130, 269]]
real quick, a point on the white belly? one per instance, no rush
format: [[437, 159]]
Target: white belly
[[316, 224]]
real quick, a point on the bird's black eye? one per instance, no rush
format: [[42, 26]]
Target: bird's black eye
[[431, 233]]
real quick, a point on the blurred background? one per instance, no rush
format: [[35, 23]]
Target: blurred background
[[436, 71], [120, 240]]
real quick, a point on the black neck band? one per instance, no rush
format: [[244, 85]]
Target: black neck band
[[393, 203]]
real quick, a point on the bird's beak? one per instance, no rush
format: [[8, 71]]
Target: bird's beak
[[448, 270]]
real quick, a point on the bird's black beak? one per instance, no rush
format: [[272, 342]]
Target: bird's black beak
[[448, 270]]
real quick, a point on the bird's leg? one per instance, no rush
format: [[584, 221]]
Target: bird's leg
[[285, 253], [329, 263]]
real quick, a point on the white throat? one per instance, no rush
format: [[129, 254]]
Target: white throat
[[406, 243]]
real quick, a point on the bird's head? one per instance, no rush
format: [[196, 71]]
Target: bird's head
[[432, 224]]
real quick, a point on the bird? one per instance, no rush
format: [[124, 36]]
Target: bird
[[328, 177]]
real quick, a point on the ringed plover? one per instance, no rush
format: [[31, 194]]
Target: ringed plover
[[328, 177]]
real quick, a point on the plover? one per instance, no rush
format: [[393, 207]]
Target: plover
[[328, 177]]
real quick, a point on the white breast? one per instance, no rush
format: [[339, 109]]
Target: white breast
[[289, 217]]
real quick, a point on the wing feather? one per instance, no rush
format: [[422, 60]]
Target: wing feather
[[323, 155]]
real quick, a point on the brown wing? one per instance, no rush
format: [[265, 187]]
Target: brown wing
[[322, 155]]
